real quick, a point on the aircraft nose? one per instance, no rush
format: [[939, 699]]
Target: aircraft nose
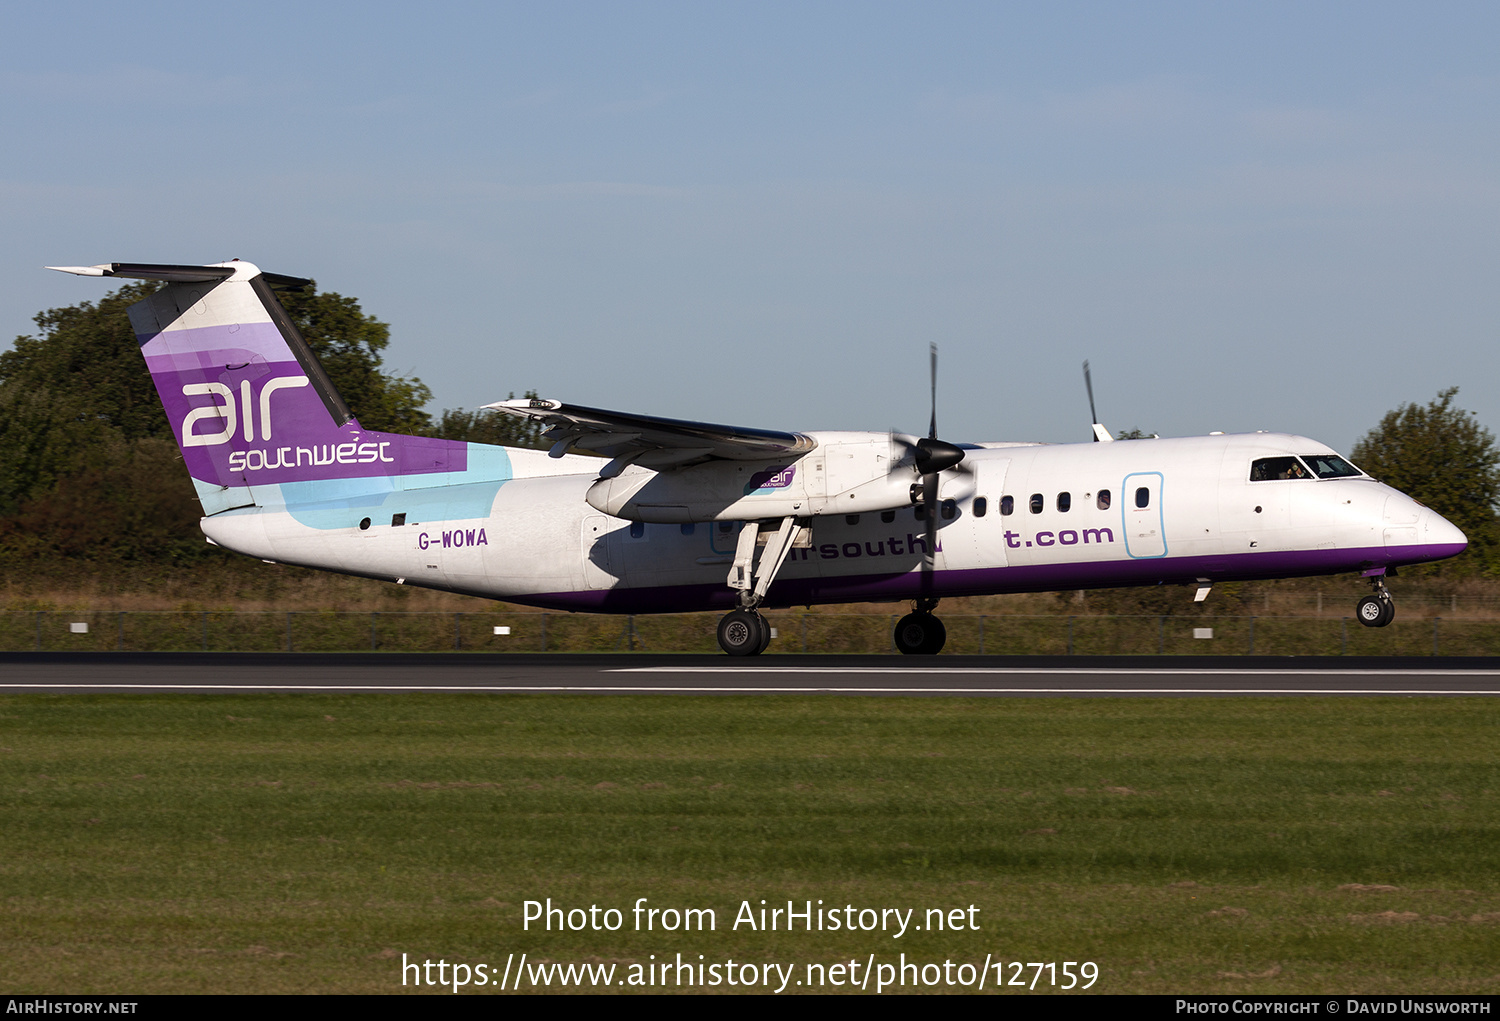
[[1438, 532], [1416, 534]]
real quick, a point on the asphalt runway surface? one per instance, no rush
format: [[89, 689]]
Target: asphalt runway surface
[[645, 674]]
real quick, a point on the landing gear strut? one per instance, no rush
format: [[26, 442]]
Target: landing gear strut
[[919, 633], [1377, 610], [743, 631]]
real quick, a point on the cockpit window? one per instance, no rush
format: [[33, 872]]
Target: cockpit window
[[1269, 468], [1330, 466]]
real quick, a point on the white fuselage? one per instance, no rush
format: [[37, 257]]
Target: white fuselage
[[1020, 517]]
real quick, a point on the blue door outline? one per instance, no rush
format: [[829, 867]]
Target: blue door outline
[[1127, 505]]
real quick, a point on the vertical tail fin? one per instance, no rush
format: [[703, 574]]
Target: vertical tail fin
[[248, 401]]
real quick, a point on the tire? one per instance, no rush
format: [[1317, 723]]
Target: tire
[[1373, 611], [920, 634], [743, 633], [765, 636], [939, 638], [1389, 614]]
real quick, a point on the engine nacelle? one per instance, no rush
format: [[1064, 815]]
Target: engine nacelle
[[848, 473]]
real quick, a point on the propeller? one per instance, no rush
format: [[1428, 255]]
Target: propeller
[[1101, 434], [929, 457]]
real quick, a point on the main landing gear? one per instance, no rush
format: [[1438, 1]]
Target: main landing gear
[[743, 631], [1377, 610], [919, 633]]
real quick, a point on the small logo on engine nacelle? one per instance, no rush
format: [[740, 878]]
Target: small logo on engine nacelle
[[778, 477]]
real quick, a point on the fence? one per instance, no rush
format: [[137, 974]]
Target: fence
[[509, 631]]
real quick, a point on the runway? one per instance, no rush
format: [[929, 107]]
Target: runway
[[641, 674]]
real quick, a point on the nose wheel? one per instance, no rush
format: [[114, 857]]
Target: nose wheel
[[1373, 611], [1377, 610]]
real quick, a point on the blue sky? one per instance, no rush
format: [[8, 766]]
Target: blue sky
[[1247, 216]]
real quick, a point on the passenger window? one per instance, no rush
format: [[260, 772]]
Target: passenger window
[[725, 527], [1064, 502], [950, 509], [1143, 497], [981, 506], [1036, 503], [1103, 501], [688, 528], [919, 512], [1268, 469], [851, 519], [637, 529], [888, 516], [1007, 506]]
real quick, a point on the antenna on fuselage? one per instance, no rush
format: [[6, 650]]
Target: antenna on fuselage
[[1101, 434]]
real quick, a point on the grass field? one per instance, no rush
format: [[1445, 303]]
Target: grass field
[[304, 843], [868, 633]]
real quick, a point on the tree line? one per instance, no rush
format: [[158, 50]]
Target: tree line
[[90, 468]]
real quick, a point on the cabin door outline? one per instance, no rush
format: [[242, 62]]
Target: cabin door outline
[[1144, 527]]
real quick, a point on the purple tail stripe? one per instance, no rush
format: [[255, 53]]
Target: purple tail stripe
[[244, 414]]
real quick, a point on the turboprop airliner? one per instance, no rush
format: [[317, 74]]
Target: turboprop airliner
[[679, 516]]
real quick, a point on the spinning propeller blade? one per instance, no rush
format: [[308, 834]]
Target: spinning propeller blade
[[1101, 434], [1088, 383], [933, 457], [932, 358], [928, 457]]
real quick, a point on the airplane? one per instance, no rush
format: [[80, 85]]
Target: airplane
[[630, 513]]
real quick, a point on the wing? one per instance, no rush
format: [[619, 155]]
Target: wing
[[648, 441]]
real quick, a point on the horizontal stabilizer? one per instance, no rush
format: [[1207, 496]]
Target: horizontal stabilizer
[[178, 274]]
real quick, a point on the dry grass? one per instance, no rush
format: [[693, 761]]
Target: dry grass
[[237, 583]]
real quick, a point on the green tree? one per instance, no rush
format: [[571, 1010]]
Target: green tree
[[75, 389], [1439, 454]]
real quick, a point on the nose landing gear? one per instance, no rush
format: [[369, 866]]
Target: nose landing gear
[[1377, 610]]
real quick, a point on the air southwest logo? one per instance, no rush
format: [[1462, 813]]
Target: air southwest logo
[[231, 414], [240, 415], [317, 455], [772, 478]]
